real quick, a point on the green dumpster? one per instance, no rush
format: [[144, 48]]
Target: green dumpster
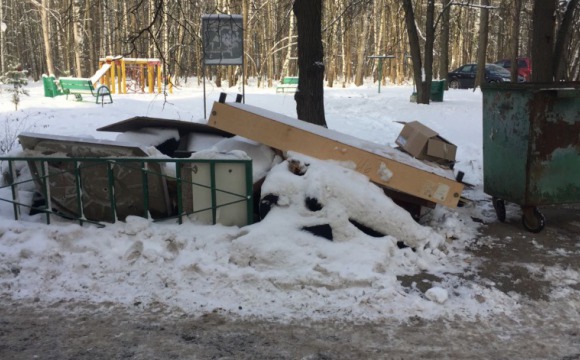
[[437, 90], [531, 147], [50, 88], [436, 94]]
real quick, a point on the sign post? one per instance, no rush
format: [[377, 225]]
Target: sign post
[[223, 44]]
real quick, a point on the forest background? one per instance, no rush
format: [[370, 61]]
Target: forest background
[[67, 37]]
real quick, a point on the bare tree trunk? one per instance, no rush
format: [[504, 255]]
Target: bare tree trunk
[[2, 42], [482, 43], [560, 49], [398, 70], [331, 48], [91, 33], [310, 95], [152, 49], [420, 67], [286, 64], [126, 29], [269, 29], [44, 9], [362, 45], [78, 37], [106, 31], [444, 41], [428, 56], [515, 43], [245, 24], [382, 44], [115, 39], [543, 40], [415, 47], [346, 60]]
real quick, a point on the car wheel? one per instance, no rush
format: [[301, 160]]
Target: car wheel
[[454, 84]]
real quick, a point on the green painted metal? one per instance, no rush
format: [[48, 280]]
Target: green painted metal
[[145, 183], [46, 190], [437, 90], [14, 191], [50, 88], [380, 67], [531, 143], [179, 195], [111, 182], [82, 170], [249, 190], [77, 174], [213, 193]]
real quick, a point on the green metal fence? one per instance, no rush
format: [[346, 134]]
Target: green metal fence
[[97, 190]]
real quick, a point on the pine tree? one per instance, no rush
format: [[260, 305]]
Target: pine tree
[[18, 79]]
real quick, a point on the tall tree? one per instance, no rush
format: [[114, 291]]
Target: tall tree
[[310, 95], [78, 37], [2, 42], [482, 43], [515, 43], [362, 46], [563, 38], [422, 66], [543, 40], [44, 12], [444, 40]]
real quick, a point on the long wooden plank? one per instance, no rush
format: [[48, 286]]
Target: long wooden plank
[[383, 165]]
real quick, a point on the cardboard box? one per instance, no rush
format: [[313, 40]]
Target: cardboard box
[[424, 143]]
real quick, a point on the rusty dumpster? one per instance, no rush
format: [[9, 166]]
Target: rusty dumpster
[[531, 147]]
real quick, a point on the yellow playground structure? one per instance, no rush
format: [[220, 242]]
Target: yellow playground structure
[[131, 75]]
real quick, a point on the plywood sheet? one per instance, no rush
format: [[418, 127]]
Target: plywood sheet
[[382, 164]]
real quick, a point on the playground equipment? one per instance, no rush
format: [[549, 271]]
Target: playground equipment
[[119, 75], [123, 75]]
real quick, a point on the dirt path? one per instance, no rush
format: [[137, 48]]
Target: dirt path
[[32, 333], [544, 328]]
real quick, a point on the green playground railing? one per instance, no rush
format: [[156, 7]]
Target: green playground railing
[[98, 190]]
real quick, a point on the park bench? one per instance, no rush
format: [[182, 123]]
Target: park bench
[[288, 83], [77, 87]]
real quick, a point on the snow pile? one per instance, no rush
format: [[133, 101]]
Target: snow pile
[[277, 268]]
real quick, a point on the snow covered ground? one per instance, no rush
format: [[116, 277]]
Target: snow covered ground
[[270, 269]]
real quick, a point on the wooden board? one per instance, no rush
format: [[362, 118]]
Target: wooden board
[[382, 164]]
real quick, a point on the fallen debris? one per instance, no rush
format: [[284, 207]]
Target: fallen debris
[[405, 174]]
